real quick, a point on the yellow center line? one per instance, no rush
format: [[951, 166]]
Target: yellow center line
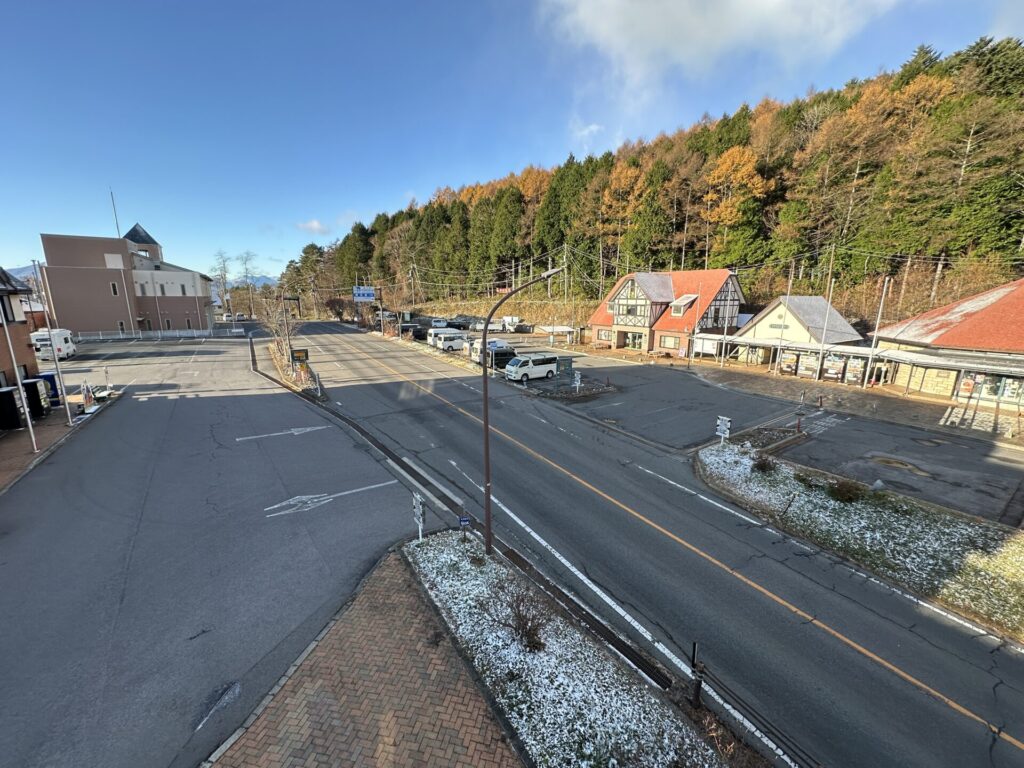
[[956, 707]]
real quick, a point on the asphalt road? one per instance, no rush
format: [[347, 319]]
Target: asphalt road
[[857, 673], [153, 591], [970, 475]]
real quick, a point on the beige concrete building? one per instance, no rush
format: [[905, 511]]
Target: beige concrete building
[[122, 285]]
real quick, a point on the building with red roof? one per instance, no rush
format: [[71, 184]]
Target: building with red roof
[[972, 349], [660, 311]]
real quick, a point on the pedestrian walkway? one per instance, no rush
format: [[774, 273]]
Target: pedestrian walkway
[[16, 454], [383, 687]]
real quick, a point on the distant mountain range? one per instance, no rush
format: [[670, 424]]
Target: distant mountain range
[[257, 280], [22, 272]]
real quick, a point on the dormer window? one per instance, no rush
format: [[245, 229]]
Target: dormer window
[[677, 311]]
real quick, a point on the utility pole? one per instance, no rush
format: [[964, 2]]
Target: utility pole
[[874, 335], [62, 392], [824, 329]]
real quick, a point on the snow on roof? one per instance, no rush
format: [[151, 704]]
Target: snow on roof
[[656, 286], [989, 321]]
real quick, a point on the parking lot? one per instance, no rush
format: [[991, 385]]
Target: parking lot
[[167, 564]]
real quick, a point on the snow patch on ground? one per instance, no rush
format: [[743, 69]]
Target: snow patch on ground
[[969, 565], [570, 703]]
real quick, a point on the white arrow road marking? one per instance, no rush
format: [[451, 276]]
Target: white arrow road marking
[[292, 431], [306, 503]]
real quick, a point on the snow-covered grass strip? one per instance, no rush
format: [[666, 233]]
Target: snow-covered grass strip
[[571, 702], [972, 566]]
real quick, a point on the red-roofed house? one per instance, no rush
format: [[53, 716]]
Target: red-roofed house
[[659, 311], [973, 348]]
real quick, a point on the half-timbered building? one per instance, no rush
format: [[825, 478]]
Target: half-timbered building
[[659, 311]]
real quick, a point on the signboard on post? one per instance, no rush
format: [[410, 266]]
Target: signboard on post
[[364, 293], [722, 428], [300, 355]]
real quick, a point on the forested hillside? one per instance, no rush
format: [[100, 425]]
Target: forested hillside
[[917, 174]]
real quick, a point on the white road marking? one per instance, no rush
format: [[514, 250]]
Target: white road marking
[[606, 405], [439, 486], [292, 431], [538, 418], [306, 503], [702, 497], [678, 663]]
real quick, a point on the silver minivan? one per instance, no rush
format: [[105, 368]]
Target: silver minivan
[[522, 368]]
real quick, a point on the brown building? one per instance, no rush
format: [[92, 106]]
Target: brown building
[[122, 284], [11, 290], [661, 311]]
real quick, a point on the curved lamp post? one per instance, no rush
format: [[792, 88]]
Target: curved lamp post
[[484, 362]]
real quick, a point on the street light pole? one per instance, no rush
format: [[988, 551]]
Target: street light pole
[[488, 535]]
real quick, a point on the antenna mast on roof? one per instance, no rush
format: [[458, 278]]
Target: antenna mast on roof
[[114, 206]]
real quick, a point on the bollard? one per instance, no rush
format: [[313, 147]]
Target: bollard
[[820, 398], [798, 425], [698, 676]]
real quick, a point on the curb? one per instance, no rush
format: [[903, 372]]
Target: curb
[[45, 453], [225, 745], [510, 733], [855, 565]]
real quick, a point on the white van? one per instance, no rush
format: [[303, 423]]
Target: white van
[[450, 341], [474, 352], [61, 339], [438, 322], [522, 368], [433, 333]]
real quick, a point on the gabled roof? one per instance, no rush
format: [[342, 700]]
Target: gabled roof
[[10, 284], [668, 288], [988, 321], [812, 312], [139, 236]]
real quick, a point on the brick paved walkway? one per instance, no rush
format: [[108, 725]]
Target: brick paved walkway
[[384, 687]]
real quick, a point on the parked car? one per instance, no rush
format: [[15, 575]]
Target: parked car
[[415, 330], [61, 339], [239, 316], [450, 341], [228, 317], [522, 368], [439, 322], [474, 352], [500, 357], [461, 322]]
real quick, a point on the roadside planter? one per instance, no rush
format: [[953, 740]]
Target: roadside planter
[[567, 699], [970, 565]]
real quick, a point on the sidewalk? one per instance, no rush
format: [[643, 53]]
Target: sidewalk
[[16, 447], [383, 687]]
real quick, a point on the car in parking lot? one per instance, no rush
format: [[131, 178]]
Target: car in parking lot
[[522, 368], [414, 330], [438, 322], [239, 316]]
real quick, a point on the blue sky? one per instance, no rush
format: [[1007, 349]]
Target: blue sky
[[262, 126]]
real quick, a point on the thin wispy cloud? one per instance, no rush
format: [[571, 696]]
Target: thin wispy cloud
[[314, 227], [643, 39]]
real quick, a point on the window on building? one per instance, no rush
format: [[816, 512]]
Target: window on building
[[3, 379], [604, 335], [630, 290], [611, 307], [677, 311], [669, 342], [183, 293], [23, 371], [163, 289], [167, 323], [188, 321], [142, 289], [8, 308], [631, 310], [113, 289], [715, 316], [120, 325]]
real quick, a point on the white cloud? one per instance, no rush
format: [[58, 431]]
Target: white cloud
[[314, 227], [643, 39], [583, 133]]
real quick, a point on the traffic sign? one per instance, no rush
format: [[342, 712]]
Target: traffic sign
[[300, 355], [364, 293], [723, 427], [463, 520]]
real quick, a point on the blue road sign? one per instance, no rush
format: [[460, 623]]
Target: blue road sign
[[464, 520]]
